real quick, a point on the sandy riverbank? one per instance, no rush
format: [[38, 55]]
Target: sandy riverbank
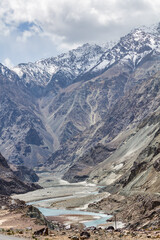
[[68, 196]]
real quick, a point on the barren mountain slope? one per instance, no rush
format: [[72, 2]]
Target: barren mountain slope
[[9, 183], [52, 104]]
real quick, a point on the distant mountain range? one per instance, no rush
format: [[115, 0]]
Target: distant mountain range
[[91, 113]]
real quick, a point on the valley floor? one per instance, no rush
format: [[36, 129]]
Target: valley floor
[[3, 237], [61, 195], [98, 234]]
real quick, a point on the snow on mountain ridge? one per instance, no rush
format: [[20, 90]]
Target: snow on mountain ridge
[[131, 48], [153, 29], [6, 72], [92, 58], [75, 62], [35, 72]]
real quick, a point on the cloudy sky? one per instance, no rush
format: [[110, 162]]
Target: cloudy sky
[[34, 29]]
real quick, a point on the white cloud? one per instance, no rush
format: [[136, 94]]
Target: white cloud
[[67, 23], [7, 62]]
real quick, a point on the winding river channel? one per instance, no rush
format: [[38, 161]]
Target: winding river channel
[[99, 218], [68, 203]]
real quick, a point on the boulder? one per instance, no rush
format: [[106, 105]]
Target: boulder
[[85, 235], [156, 165], [42, 231]]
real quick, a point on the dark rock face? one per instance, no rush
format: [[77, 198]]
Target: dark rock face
[[10, 183], [25, 174], [42, 232], [156, 165], [17, 116], [85, 235], [3, 163], [32, 137], [69, 131], [80, 170], [10, 204], [136, 169], [33, 212]]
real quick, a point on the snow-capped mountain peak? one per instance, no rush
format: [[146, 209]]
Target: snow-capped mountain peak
[[6, 72], [91, 58], [73, 63], [132, 48]]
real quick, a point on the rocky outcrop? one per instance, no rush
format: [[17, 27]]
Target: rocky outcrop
[[33, 212], [18, 206], [135, 170], [25, 174], [156, 165], [84, 165], [137, 212], [10, 183]]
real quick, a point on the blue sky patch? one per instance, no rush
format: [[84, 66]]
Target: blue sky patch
[[25, 26]]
